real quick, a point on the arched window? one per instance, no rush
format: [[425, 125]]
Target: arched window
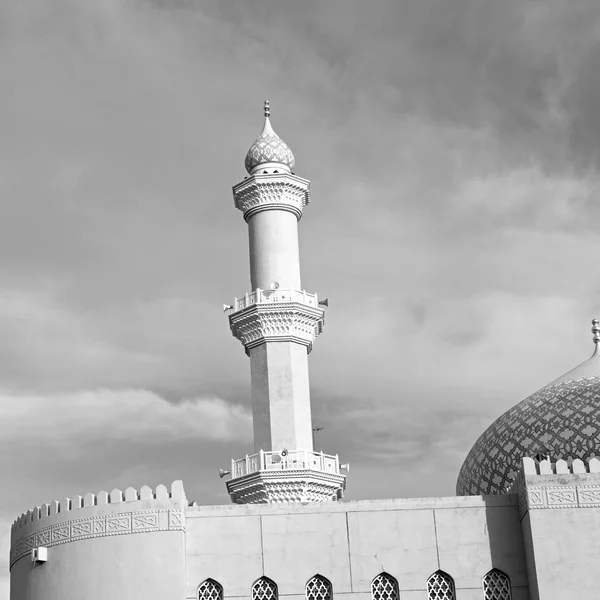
[[384, 587], [319, 588], [440, 586], [496, 586], [210, 590], [264, 589]]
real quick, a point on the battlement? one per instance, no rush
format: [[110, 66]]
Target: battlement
[[97, 515], [560, 467], [570, 483], [57, 507]]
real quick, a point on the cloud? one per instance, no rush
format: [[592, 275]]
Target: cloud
[[452, 157], [133, 416]]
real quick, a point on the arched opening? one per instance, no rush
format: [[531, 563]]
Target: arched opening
[[384, 587], [440, 586], [496, 586], [319, 588], [264, 589], [210, 590]]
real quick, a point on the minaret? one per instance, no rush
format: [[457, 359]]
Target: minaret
[[277, 322]]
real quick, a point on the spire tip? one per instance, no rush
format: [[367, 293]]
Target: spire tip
[[267, 108], [596, 330]]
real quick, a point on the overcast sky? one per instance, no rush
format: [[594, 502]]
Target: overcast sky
[[453, 150]]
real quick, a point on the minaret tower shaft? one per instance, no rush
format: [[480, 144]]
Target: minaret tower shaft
[[277, 322]]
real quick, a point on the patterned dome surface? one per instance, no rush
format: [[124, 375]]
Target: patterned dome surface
[[562, 419], [268, 148]]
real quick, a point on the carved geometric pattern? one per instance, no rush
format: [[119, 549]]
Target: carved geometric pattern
[[144, 522], [122, 523], [269, 148], [262, 192], [319, 588], [264, 589], [266, 487], [496, 586], [563, 419], [82, 528], [384, 587], [93, 527], [588, 495], [210, 590], [584, 496], [440, 586], [291, 321]]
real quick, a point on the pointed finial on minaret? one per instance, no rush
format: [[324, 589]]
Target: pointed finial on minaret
[[267, 109], [596, 330]]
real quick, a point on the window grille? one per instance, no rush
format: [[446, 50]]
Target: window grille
[[384, 587], [440, 586], [496, 586], [319, 588], [264, 589], [210, 590]]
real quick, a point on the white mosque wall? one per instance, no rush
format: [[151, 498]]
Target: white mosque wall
[[109, 545], [559, 504], [350, 543]]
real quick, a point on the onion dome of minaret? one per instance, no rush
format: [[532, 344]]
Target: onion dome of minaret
[[269, 150], [560, 421]]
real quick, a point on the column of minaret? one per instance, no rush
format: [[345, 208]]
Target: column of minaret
[[277, 322]]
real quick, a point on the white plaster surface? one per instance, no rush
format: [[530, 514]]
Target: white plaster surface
[[472, 541], [149, 566], [274, 250], [566, 548], [280, 397], [352, 542], [401, 543]]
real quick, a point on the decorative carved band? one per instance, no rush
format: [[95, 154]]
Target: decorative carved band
[[277, 322], [580, 496], [302, 485], [272, 192], [146, 521]]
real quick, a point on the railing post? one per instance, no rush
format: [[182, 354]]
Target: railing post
[[261, 460], [233, 468], [246, 473], [258, 295], [322, 462], [304, 296], [245, 299], [337, 464], [306, 459]]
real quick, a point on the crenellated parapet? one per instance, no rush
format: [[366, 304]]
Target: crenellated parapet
[[99, 515], [562, 484]]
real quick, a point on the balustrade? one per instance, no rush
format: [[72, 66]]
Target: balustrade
[[293, 461], [275, 296]]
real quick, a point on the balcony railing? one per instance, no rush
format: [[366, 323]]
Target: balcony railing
[[294, 460], [274, 296]]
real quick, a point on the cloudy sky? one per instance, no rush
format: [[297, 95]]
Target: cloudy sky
[[453, 149]]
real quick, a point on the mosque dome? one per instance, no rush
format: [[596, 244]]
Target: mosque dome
[[269, 150], [561, 420]]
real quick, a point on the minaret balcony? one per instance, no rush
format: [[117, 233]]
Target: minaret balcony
[[274, 297], [282, 477], [294, 460], [281, 315]]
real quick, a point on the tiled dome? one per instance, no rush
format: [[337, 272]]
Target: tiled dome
[[269, 148], [562, 420]]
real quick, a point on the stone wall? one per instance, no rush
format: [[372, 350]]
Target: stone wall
[[106, 545], [559, 508], [350, 543]]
